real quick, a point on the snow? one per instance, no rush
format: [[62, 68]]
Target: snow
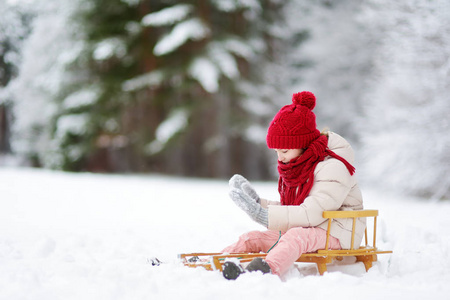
[[176, 122], [238, 47], [80, 98], [232, 5], [192, 29], [206, 73], [150, 79], [168, 16], [87, 236], [110, 47], [218, 60], [224, 60], [72, 123]]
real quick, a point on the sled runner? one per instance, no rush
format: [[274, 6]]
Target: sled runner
[[366, 254]]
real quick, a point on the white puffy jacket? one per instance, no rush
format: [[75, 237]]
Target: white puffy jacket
[[333, 189]]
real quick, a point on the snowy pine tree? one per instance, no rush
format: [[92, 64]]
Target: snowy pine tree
[[334, 60], [14, 28], [39, 91], [174, 81], [408, 104]]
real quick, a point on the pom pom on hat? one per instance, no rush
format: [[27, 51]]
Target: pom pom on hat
[[294, 126], [305, 99]]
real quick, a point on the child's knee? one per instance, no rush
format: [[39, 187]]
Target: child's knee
[[250, 236], [251, 240]]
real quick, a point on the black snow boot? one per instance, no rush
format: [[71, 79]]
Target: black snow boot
[[231, 271], [258, 264]]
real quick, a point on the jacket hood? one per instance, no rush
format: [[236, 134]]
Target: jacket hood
[[341, 147]]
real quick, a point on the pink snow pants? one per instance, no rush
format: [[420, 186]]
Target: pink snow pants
[[290, 247]]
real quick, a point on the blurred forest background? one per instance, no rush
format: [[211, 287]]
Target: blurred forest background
[[188, 87]]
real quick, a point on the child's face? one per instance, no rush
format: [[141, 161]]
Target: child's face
[[286, 155]]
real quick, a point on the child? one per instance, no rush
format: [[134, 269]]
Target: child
[[315, 175]]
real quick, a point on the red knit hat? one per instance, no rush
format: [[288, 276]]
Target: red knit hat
[[294, 126]]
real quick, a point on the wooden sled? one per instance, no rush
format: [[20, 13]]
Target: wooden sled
[[366, 254]]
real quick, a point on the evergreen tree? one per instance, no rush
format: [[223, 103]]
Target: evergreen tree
[[407, 106], [174, 79], [14, 27], [39, 91], [334, 61]]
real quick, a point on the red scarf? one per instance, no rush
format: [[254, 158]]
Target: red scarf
[[297, 177]]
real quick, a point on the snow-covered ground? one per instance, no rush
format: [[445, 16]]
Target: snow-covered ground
[[86, 236]]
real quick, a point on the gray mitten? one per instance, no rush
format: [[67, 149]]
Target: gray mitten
[[250, 206], [250, 191], [241, 183], [237, 181]]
